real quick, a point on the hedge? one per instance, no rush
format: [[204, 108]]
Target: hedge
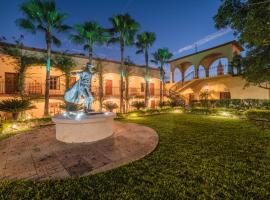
[[258, 115], [242, 104]]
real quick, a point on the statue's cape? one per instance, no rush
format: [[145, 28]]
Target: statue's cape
[[72, 95]]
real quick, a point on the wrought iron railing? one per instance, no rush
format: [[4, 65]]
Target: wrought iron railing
[[132, 92]]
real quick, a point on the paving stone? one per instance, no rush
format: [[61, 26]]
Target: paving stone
[[37, 155]]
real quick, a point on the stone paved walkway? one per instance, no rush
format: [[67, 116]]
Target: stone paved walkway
[[37, 155]]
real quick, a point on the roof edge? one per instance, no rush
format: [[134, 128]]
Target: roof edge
[[6, 44], [214, 47]]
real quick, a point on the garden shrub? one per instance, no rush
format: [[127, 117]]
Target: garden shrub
[[138, 104], [226, 111], [258, 115], [15, 106], [120, 115], [152, 111], [242, 104], [110, 106], [200, 110], [166, 109]]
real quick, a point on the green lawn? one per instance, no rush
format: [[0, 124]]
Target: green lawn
[[197, 156]]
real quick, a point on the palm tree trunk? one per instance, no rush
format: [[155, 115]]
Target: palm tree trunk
[[100, 89], [67, 77], [161, 86], [47, 84], [122, 77], [146, 98], [90, 55], [126, 94], [21, 84]]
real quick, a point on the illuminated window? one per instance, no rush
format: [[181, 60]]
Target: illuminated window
[[152, 89], [225, 95], [54, 83], [142, 87], [108, 87]]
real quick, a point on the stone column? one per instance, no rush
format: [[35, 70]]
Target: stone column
[[230, 68], [183, 75], [196, 68], [207, 71], [171, 76]]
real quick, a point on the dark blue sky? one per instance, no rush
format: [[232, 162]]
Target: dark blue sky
[[177, 23]]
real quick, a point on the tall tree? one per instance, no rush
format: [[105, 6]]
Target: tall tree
[[128, 72], [43, 16], [162, 57], [144, 41], [123, 31], [89, 34], [100, 73], [66, 64], [250, 22], [22, 61]]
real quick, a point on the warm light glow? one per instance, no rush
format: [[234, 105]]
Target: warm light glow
[[177, 111], [14, 126], [133, 115], [225, 114]]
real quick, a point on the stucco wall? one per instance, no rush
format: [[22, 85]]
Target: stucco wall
[[234, 85]]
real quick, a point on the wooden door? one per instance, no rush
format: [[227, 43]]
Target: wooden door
[[152, 89], [153, 104], [11, 84], [108, 87]]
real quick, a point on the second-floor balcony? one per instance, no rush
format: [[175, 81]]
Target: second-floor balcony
[[36, 88]]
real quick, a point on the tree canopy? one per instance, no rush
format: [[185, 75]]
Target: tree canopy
[[250, 21]]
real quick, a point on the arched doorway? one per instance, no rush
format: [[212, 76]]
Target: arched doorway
[[219, 67], [190, 73], [177, 75], [201, 72]]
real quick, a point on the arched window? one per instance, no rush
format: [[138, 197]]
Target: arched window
[[218, 67], [201, 72], [177, 75], [190, 73]]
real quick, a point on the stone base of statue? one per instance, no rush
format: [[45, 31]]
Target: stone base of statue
[[78, 127]]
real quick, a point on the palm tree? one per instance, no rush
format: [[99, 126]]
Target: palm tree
[[15, 106], [128, 72], [43, 16], [123, 31], [65, 63], [22, 60], [144, 41], [89, 34], [162, 56], [100, 69]]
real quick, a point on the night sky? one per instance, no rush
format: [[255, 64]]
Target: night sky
[[177, 23]]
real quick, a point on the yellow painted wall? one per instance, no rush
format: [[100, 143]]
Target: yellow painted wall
[[233, 84], [38, 74]]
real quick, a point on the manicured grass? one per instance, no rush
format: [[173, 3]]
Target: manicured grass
[[197, 157]]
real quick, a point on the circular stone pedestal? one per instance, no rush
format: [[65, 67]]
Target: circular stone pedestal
[[81, 127]]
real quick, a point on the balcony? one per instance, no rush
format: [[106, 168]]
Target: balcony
[[132, 92], [36, 88]]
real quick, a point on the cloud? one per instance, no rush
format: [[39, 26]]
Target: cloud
[[204, 40]]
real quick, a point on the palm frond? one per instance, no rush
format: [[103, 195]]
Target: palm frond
[[26, 24], [56, 41], [15, 105]]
